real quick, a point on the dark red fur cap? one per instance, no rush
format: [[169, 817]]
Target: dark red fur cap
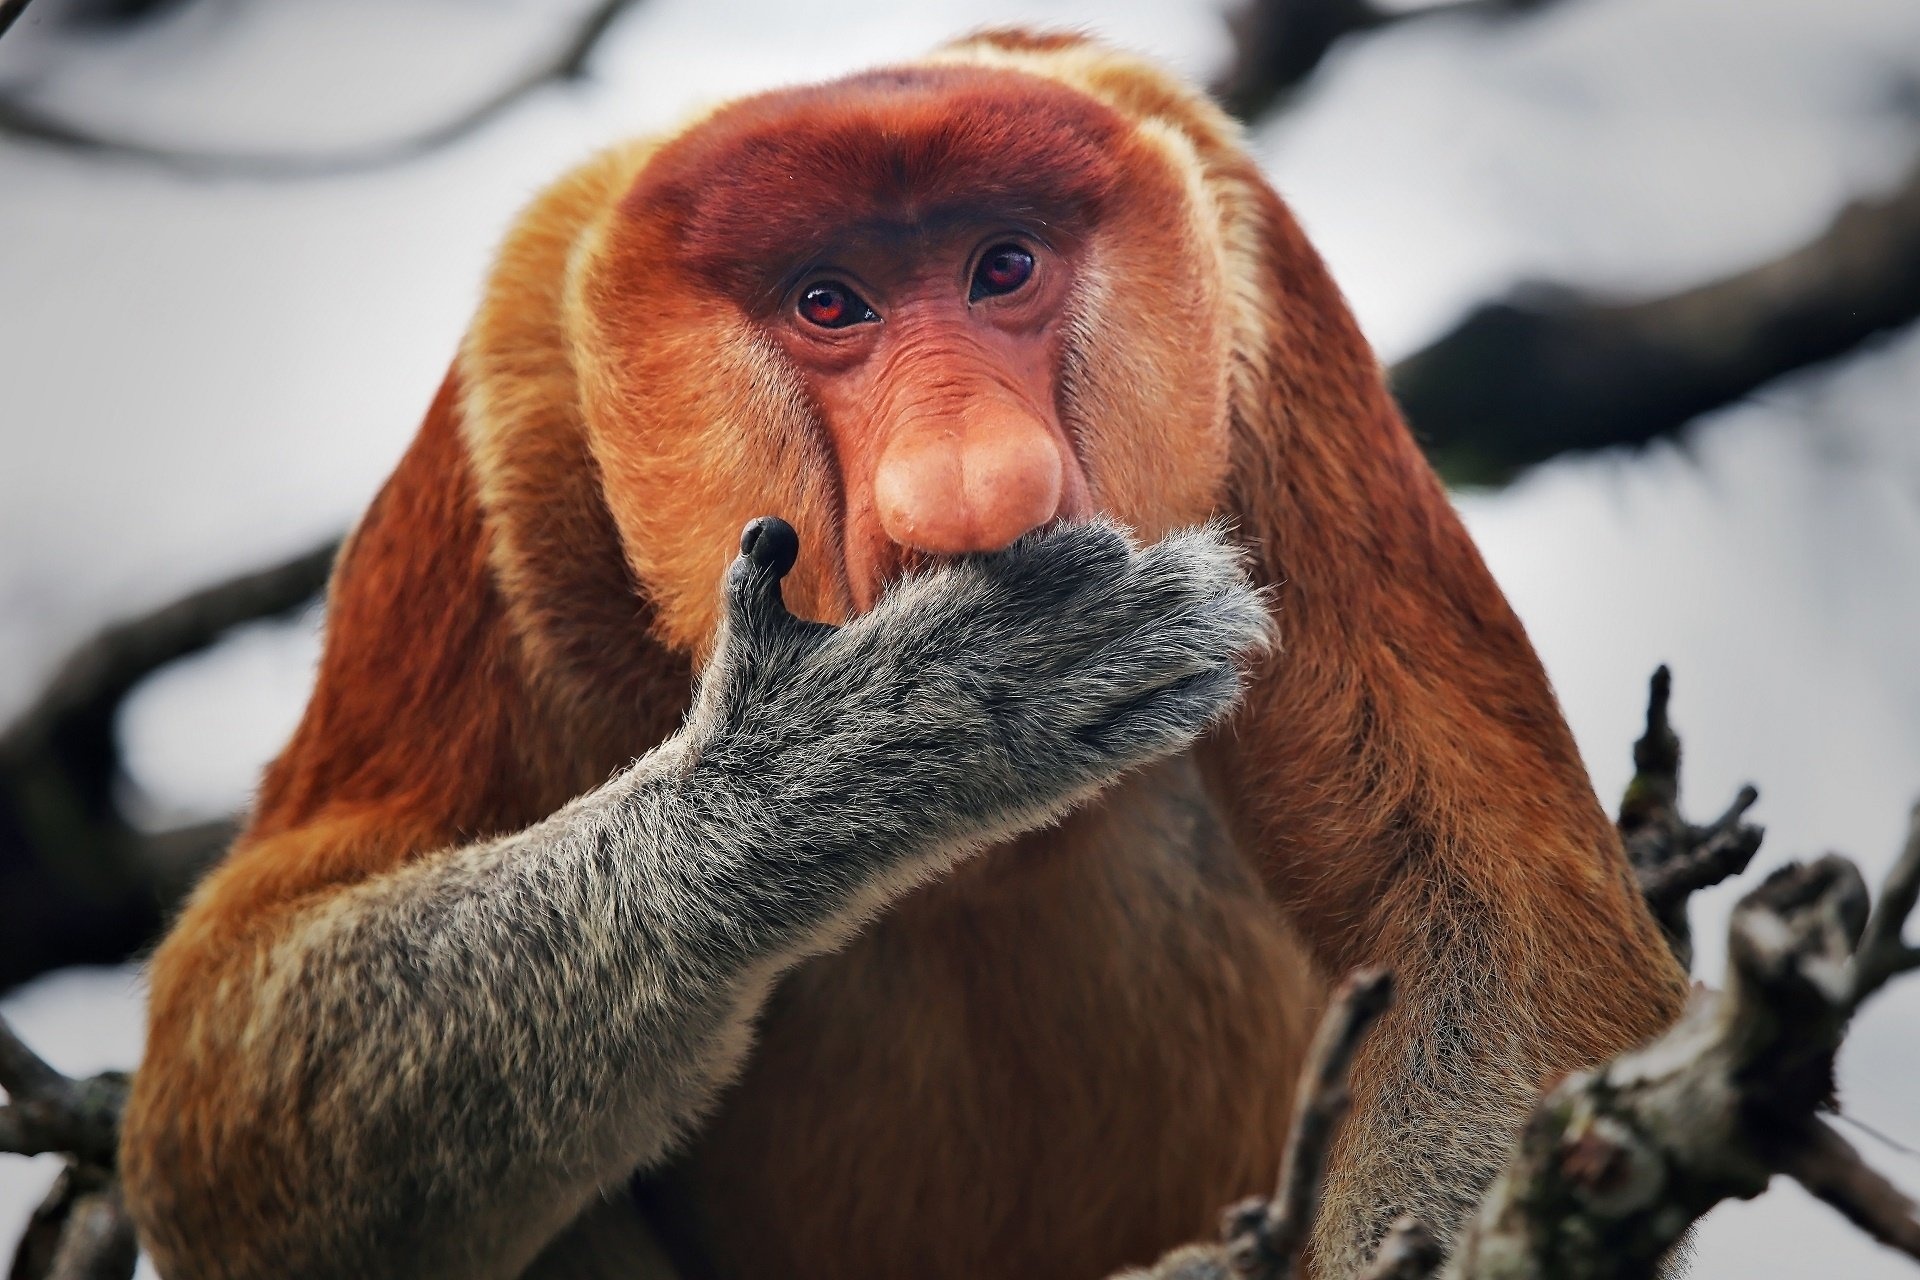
[[756, 190]]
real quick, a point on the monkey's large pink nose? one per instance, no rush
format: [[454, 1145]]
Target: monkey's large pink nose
[[972, 484]]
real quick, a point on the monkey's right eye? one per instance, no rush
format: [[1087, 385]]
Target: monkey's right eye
[[832, 305]]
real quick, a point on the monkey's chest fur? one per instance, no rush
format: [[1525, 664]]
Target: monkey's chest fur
[[1067, 1058]]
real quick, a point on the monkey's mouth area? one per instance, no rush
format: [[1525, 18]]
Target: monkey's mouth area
[[895, 564]]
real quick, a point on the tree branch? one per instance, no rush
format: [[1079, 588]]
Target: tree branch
[[10, 11], [1616, 1164], [47, 1111], [1672, 858], [1555, 370], [1882, 953], [78, 882], [24, 122], [1827, 1165], [1265, 1239], [1279, 44], [81, 1230]]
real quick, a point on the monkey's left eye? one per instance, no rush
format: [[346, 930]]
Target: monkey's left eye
[[1005, 268], [832, 305]]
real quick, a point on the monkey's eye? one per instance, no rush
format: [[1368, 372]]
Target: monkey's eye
[[1005, 268], [832, 305]]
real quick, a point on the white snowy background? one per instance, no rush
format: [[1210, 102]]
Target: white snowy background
[[199, 375]]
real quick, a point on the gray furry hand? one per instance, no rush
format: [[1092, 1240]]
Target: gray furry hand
[[979, 696]]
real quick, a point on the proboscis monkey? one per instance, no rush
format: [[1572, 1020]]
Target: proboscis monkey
[[454, 990]]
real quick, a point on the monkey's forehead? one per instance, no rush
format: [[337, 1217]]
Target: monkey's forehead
[[777, 177]]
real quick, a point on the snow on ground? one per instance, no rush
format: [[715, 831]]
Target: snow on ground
[[200, 375]]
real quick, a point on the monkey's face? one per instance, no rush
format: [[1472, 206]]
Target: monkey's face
[[933, 363], [916, 313]]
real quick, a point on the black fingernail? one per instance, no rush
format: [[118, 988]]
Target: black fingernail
[[770, 543]]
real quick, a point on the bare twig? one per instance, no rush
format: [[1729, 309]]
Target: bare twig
[[1708, 856], [1827, 1165], [1278, 44], [1267, 1238], [1264, 1239], [1882, 952], [10, 11], [1672, 858], [567, 64], [1556, 370]]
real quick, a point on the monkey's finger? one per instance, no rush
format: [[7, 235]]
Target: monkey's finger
[[1166, 718], [1204, 557], [1199, 639], [1182, 601], [771, 544], [1048, 569], [768, 548]]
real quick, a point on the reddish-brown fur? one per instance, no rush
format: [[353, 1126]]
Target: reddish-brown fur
[[750, 188], [1071, 1054]]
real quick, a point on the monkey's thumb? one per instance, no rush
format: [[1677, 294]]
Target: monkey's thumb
[[770, 543], [768, 548]]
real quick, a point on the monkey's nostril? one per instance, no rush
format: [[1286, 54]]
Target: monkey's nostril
[[770, 543]]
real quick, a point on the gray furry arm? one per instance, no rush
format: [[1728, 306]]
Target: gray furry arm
[[480, 1041]]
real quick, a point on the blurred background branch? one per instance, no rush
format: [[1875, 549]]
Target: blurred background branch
[[23, 122], [81, 1230], [10, 11], [1554, 370], [79, 881], [1279, 44]]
